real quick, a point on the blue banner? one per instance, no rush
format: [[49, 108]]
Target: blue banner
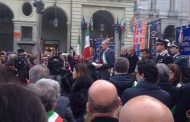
[[185, 35], [155, 32]]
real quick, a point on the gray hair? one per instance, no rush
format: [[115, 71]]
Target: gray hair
[[163, 73], [121, 65], [38, 72], [48, 91]]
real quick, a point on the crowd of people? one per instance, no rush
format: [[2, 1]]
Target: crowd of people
[[130, 88]]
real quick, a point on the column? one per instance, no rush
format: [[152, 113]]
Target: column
[[117, 44], [68, 36]]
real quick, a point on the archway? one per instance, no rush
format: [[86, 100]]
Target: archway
[[169, 32], [102, 25], [6, 28], [54, 28]]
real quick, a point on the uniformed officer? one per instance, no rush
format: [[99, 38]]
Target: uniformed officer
[[163, 55], [181, 61]]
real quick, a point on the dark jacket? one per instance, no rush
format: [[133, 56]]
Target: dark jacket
[[183, 105], [172, 90], [63, 109], [147, 88], [122, 82], [105, 119], [164, 58], [55, 65], [79, 96], [103, 71], [132, 63]]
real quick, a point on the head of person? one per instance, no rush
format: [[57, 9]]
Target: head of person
[[38, 72], [124, 51], [103, 99], [148, 70], [161, 45], [145, 53], [8, 75], [105, 44], [80, 69], [121, 65], [20, 52], [131, 50], [175, 48], [145, 109], [175, 74], [82, 82], [163, 71], [48, 91], [20, 105], [2, 55]]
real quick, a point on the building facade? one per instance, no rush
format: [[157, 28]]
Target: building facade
[[61, 23], [173, 13]]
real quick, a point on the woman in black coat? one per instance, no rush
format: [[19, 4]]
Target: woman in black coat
[[165, 84]]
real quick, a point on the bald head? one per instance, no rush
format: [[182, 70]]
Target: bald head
[[103, 96], [145, 109]]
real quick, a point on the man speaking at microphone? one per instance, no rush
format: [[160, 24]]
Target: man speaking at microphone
[[107, 60]]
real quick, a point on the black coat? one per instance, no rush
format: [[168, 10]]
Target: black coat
[[183, 104], [164, 58], [147, 88], [105, 119], [102, 71], [132, 63], [122, 82], [174, 92]]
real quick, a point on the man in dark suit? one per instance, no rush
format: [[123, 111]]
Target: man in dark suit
[[148, 73], [163, 55], [107, 60], [133, 59], [181, 61], [103, 101]]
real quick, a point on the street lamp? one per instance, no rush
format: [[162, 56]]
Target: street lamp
[[55, 20], [39, 9]]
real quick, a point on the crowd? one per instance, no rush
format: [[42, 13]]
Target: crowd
[[130, 88]]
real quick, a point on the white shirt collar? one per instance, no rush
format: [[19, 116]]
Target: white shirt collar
[[176, 55], [163, 52]]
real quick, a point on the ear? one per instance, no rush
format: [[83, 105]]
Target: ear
[[89, 107], [118, 101]]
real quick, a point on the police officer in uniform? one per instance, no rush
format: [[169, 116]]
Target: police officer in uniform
[[163, 55], [181, 61]]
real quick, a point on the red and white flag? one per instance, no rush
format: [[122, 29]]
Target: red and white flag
[[87, 45]]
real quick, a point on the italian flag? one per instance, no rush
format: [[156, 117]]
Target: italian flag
[[87, 45], [180, 39], [78, 51], [54, 117]]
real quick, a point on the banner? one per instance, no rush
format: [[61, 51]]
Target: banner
[[140, 36], [155, 32], [183, 38]]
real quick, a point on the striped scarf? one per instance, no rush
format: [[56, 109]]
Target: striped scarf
[[54, 117]]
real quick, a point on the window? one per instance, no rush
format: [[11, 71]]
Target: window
[[26, 33], [27, 9]]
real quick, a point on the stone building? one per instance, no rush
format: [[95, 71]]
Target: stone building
[[173, 13], [61, 23]]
